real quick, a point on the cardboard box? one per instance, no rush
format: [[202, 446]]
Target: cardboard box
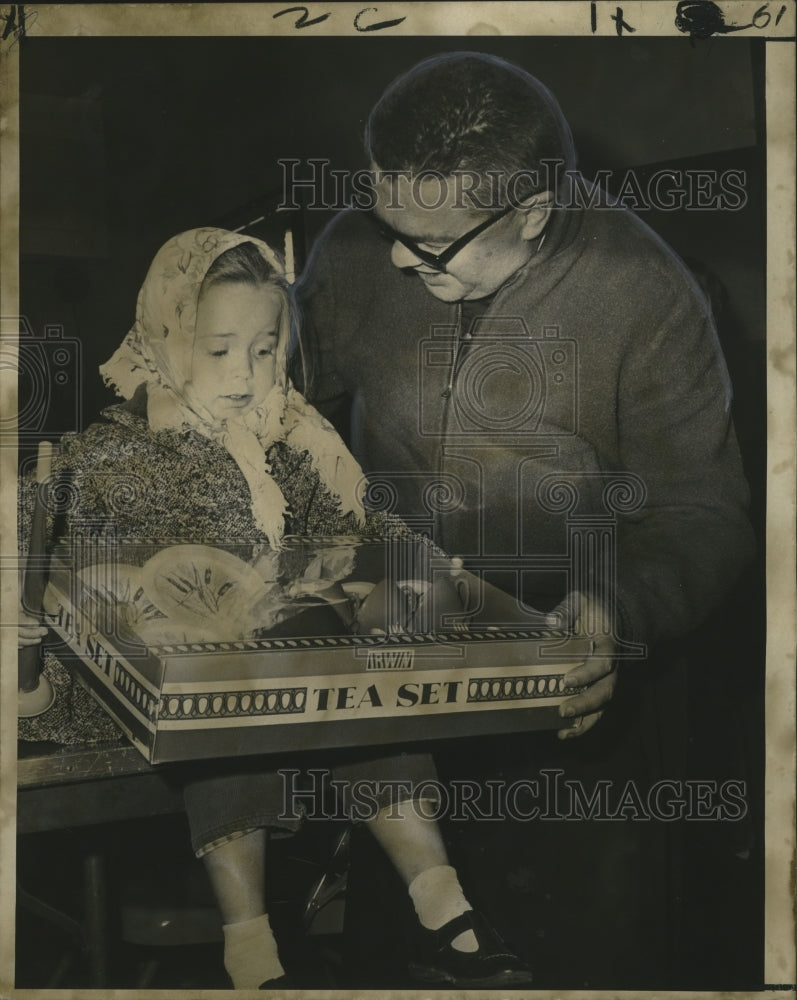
[[316, 676]]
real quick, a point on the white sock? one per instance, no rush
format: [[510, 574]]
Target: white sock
[[437, 897], [250, 953]]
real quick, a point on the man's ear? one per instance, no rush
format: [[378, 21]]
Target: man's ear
[[536, 211]]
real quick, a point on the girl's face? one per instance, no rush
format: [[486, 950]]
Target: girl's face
[[235, 345]]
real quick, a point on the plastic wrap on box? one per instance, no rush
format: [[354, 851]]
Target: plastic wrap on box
[[209, 651]]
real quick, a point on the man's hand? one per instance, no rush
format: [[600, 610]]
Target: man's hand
[[583, 710]]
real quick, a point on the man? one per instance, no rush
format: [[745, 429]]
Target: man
[[517, 351]]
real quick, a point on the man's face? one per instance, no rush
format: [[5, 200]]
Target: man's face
[[482, 266]]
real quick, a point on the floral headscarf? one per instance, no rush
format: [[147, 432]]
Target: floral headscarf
[[158, 351]]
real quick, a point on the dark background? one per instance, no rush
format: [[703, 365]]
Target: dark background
[[125, 142]]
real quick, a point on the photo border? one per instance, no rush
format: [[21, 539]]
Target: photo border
[[554, 18]]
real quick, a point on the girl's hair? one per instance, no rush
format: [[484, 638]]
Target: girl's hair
[[243, 264]]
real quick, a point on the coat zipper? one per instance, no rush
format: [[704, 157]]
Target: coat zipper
[[446, 393]]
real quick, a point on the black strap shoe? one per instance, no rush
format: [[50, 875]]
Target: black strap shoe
[[283, 982], [492, 965]]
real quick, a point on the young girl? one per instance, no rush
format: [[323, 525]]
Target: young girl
[[217, 446]]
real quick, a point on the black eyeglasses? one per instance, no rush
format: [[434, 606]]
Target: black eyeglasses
[[438, 261]]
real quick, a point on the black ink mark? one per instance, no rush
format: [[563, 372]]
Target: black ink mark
[[17, 23], [781, 12], [380, 25], [699, 18], [593, 16], [304, 21], [621, 24], [704, 18], [15, 11]]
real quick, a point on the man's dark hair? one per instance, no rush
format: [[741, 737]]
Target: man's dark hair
[[469, 111]]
